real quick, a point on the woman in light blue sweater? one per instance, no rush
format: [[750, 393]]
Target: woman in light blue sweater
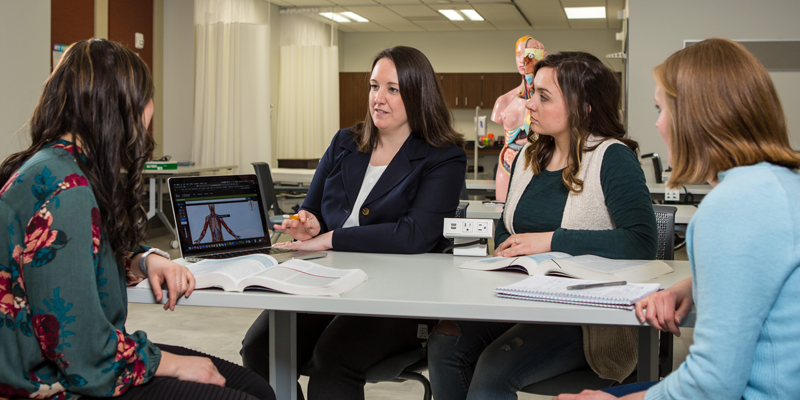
[[722, 121]]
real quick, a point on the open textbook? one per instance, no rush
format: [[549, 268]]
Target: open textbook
[[554, 289], [583, 267], [260, 271]]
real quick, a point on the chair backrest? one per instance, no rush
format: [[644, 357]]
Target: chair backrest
[[665, 218], [268, 196]]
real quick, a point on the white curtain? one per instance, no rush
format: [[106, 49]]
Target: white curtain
[[231, 104], [308, 107]]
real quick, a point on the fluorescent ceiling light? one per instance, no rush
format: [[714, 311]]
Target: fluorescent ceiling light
[[585, 12], [452, 15], [354, 16], [335, 17], [472, 15]]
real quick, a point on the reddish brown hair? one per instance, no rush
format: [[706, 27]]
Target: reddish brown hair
[[724, 112]]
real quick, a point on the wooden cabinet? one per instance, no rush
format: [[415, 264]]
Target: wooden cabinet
[[353, 97]]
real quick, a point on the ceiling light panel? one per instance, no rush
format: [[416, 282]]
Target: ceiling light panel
[[585, 12], [472, 15], [452, 15], [354, 16], [335, 17]]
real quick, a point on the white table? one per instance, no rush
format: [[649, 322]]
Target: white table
[[480, 184], [302, 176], [418, 286], [684, 214], [660, 188], [476, 209], [157, 180]]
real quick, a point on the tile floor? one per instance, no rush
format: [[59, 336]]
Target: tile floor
[[219, 331]]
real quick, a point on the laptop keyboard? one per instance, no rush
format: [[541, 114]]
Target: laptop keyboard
[[263, 250]]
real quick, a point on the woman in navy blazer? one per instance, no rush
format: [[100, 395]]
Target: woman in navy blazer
[[383, 186]]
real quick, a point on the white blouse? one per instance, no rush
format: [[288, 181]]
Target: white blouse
[[370, 178]]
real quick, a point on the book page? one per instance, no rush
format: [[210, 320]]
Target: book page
[[236, 269], [520, 263], [296, 277], [599, 268], [303, 277]]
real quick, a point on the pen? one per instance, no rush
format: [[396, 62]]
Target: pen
[[291, 217], [594, 285]]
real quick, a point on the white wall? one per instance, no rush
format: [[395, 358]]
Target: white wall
[[24, 66], [658, 29]]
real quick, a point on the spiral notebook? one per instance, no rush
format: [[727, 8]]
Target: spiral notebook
[[554, 289]]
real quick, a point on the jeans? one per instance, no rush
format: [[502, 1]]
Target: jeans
[[335, 351], [490, 360]]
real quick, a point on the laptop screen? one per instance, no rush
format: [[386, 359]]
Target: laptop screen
[[218, 213]]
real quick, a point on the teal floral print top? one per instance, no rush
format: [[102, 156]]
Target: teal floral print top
[[63, 302]]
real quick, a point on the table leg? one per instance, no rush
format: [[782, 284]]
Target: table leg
[[282, 354], [152, 211], [648, 354]]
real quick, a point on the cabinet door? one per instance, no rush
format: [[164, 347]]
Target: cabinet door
[[511, 80], [353, 97], [471, 89], [451, 90], [492, 89]]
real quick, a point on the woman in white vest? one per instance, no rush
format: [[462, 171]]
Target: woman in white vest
[[577, 188]]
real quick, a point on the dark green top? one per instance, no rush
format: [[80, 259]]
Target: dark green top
[[63, 299], [541, 208]]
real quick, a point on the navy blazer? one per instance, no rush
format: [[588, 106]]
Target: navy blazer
[[404, 212]]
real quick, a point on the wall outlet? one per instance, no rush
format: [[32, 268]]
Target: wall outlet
[[468, 228], [672, 194]]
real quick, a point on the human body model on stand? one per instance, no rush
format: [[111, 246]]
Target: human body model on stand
[[509, 111]]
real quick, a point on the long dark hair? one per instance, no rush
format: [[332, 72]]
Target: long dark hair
[[592, 95], [97, 94], [428, 115]]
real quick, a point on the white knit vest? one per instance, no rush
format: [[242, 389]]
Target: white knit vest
[[610, 351]]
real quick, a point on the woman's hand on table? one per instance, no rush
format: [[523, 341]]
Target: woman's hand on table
[[319, 243], [178, 279], [522, 244], [664, 310], [304, 229]]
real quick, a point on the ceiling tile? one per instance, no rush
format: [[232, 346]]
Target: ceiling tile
[[376, 14], [415, 11], [474, 26], [502, 16], [385, 2], [588, 24], [443, 2], [355, 2], [583, 3], [436, 26], [365, 27], [345, 28], [280, 3], [309, 3], [544, 14]]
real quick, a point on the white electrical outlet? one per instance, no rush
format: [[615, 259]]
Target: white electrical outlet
[[672, 194], [468, 228]]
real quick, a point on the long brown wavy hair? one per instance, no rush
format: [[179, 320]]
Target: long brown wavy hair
[[724, 112], [592, 94], [428, 115], [97, 95]]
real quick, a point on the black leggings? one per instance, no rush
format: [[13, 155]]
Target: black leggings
[[240, 383], [335, 351]]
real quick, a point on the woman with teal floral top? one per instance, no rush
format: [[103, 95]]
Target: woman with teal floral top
[[71, 224]]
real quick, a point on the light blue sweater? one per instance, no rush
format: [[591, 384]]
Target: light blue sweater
[[744, 246]]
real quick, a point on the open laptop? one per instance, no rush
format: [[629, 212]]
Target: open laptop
[[223, 216]]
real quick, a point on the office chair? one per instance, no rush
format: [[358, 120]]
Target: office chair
[[410, 365], [657, 169], [269, 197], [578, 380]]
